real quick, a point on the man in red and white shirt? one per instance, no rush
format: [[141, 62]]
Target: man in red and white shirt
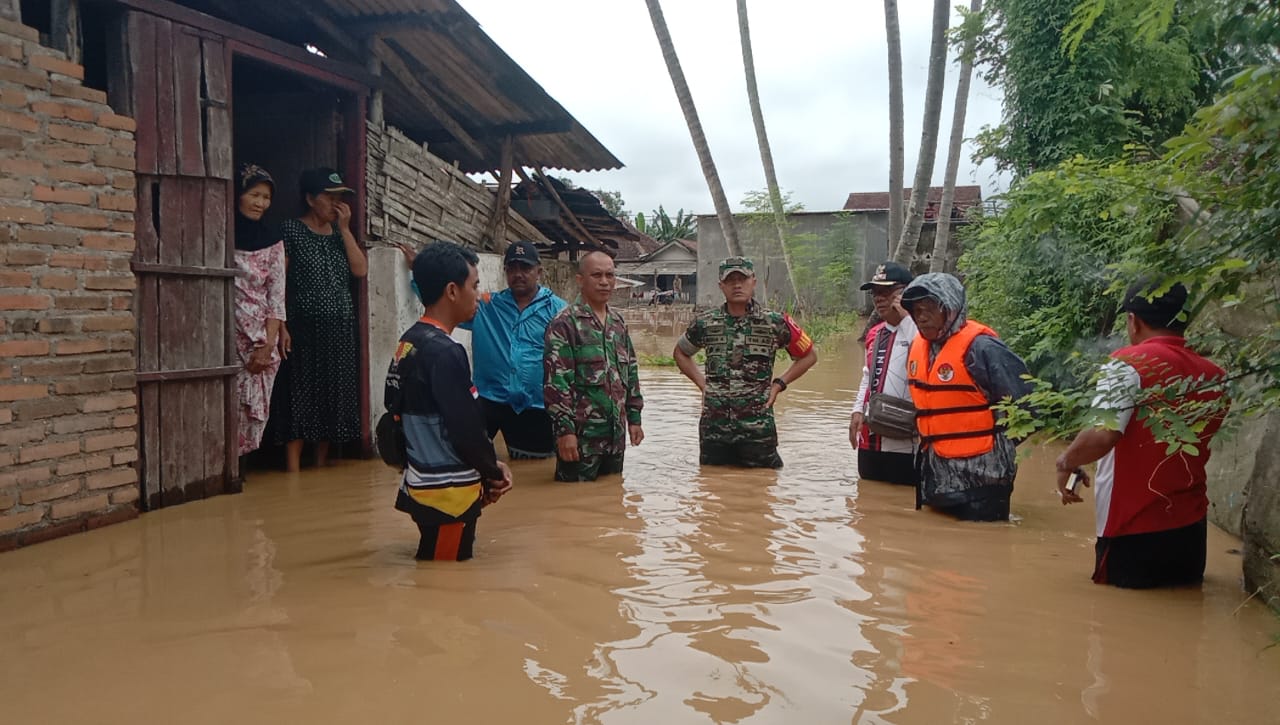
[[885, 371], [1151, 505]]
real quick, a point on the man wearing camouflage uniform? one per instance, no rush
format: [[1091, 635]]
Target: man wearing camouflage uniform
[[741, 339], [591, 381]]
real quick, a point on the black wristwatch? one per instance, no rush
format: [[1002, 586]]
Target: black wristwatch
[[782, 384]]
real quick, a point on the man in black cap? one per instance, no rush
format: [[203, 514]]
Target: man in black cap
[[886, 456], [507, 350], [1150, 505]]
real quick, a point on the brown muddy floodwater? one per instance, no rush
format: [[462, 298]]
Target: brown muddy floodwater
[[671, 595]]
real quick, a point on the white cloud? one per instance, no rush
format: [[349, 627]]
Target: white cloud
[[823, 85]]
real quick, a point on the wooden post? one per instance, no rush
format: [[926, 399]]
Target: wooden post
[[64, 28], [375, 100], [497, 230], [549, 187], [397, 67]]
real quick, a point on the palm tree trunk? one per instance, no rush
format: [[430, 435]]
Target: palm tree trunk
[[942, 236], [685, 98], [897, 144], [766, 153], [928, 135]]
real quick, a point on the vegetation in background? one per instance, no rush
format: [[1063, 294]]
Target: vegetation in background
[[1119, 88], [661, 226], [822, 264], [685, 98], [776, 203], [1123, 188], [613, 203], [821, 328]]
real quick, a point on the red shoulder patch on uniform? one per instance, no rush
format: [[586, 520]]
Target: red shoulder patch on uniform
[[800, 343]]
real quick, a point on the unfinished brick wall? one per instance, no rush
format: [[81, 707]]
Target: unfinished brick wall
[[68, 415]]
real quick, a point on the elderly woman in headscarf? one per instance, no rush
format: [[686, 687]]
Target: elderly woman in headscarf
[[957, 369], [261, 339]]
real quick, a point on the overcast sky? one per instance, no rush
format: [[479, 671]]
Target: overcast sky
[[820, 65]]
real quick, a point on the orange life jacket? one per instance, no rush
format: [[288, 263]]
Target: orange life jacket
[[953, 415]]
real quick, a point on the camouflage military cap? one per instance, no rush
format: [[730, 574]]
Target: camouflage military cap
[[736, 264]]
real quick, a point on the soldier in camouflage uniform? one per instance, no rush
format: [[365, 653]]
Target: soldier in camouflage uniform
[[741, 339], [591, 379]]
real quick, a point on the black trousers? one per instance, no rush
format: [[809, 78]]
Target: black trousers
[[443, 537], [1159, 559], [896, 468], [527, 433]]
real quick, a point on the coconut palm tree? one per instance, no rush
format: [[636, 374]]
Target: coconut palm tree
[[928, 134], [766, 153], [685, 98], [942, 237], [897, 144]]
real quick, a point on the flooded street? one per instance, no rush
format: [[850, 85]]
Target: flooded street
[[672, 595]]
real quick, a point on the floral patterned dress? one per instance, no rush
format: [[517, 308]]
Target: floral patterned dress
[[260, 295]]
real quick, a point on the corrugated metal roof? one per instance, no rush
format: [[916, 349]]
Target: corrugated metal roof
[[548, 218], [476, 83], [966, 196]]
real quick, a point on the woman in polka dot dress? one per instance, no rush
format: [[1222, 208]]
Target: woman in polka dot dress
[[320, 385]]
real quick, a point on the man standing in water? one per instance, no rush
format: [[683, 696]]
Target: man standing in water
[[451, 470], [885, 373], [508, 335], [591, 379], [1151, 505], [958, 369], [741, 339]]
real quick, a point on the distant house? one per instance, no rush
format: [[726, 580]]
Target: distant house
[[670, 267], [123, 122], [870, 201], [856, 235]]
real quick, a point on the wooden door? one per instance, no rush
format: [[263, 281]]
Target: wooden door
[[176, 82]]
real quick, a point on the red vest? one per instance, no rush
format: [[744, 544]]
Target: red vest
[[870, 441], [1154, 491], [952, 414]]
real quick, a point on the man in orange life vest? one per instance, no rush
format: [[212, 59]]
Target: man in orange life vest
[[957, 369], [1150, 506]]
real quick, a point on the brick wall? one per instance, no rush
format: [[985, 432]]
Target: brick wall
[[68, 415]]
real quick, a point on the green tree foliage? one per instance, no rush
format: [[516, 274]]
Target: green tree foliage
[[661, 226], [1040, 272], [1119, 89], [822, 263], [1204, 210], [612, 202]]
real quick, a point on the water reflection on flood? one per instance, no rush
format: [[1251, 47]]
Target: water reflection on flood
[[674, 595]]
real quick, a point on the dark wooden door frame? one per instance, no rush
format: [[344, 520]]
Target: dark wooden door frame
[[354, 153]]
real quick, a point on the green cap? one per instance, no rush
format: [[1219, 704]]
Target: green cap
[[736, 264]]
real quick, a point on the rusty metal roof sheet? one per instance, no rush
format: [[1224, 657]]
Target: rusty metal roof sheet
[[966, 196], [475, 82]]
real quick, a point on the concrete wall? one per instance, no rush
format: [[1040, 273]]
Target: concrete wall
[[760, 238], [414, 198], [1261, 511], [393, 308], [1244, 499], [68, 416]]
